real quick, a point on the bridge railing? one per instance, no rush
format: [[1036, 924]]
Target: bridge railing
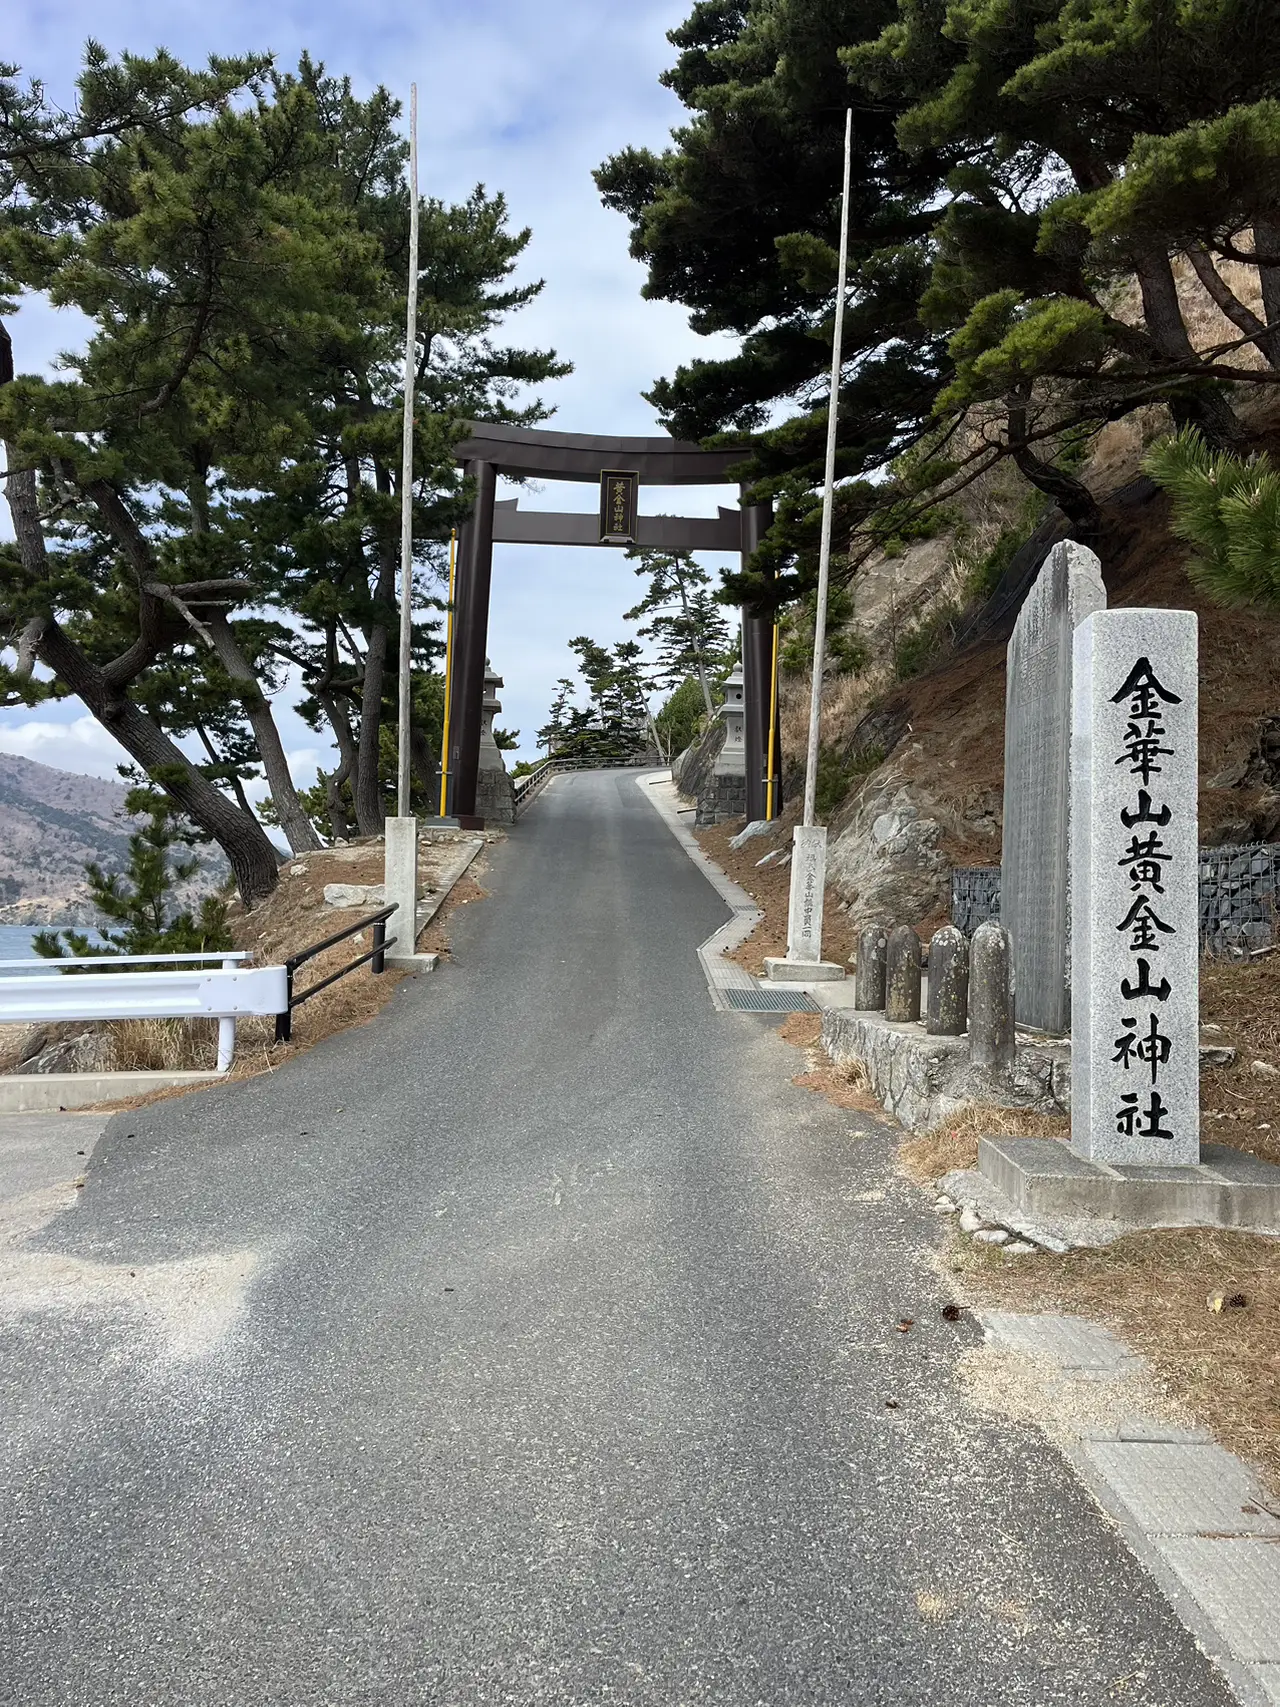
[[528, 787]]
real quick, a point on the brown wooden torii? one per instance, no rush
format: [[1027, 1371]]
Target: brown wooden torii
[[525, 451]]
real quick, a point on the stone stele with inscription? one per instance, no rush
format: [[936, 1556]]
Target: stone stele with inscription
[[1034, 885], [1135, 1080]]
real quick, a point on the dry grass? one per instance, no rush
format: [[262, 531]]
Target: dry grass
[[770, 888], [1238, 1106], [291, 919], [954, 1144], [1153, 1289], [159, 1045], [846, 1085]]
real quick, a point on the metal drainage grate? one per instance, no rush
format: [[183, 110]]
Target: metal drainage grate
[[771, 1001]]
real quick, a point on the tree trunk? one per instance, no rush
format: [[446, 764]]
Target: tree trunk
[[423, 763], [1072, 496], [1266, 240], [240, 836], [1209, 411], [253, 859], [370, 807], [298, 828], [697, 645], [338, 821], [1267, 343]]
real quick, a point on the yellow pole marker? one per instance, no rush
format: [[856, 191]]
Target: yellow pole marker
[[448, 677], [773, 728]]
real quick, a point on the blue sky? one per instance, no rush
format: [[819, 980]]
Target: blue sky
[[525, 96]]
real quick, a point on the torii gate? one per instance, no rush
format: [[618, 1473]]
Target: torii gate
[[625, 464]]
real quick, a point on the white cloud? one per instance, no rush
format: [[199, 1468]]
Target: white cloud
[[81, 744]]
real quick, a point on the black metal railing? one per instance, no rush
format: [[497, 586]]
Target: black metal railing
[[381, 943]]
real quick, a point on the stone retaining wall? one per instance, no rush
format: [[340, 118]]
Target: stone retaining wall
[[923, 1080], [1238, 897]]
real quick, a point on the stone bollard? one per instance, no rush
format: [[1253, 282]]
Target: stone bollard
[[868, 989], [991, 997], [948, 1007], [902, 975]]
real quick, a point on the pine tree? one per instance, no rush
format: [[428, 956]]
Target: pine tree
[[1228, 508], [1018, 164], [687, 625], [141, 902], [229, 438], [552, 732]]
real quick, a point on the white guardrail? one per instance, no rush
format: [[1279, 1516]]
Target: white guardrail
[[225, 992]]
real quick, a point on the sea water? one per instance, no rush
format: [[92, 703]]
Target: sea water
[[15, 940]]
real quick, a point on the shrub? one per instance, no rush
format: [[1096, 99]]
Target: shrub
[[837, 772]]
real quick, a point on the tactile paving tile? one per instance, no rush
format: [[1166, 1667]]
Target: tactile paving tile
[[1182, 1490], [1237, 1582], [1069, 1341]]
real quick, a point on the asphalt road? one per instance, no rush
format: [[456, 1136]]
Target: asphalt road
[[534, 1344]]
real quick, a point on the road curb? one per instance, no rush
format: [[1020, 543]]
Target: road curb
[[721, 974]]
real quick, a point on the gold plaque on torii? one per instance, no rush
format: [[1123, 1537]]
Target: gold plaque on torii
[[619, 506]]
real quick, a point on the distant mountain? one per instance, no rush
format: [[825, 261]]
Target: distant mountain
[[52, 823]]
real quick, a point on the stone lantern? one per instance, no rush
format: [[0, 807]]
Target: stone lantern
[[495, 798], [725, 796]]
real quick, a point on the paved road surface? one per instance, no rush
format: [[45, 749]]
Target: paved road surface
[[533, 1345]]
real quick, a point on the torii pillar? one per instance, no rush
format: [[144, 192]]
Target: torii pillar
[[471, 626], [757, 673]]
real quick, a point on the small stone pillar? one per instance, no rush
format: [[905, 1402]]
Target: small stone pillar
[[868, 988], [495, 798], [948, 1006], [992, 1040], [902, 975], [400, 874]]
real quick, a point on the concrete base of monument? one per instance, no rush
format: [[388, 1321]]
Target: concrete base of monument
[[1046, 1180], [781, 971]]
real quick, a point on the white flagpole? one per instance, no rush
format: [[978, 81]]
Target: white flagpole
[[803, 961], [406, 469], [828, 491]]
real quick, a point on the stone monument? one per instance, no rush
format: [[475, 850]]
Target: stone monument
[[1135, 1033], [1034, 897], [495, 796], [1135, 1154], [803, 963], [725, 796]]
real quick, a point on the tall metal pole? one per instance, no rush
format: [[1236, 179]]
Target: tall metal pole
[[828, 492], [406, 468], [770, 759]]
